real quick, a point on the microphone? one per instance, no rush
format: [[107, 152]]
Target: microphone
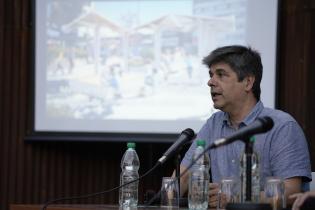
[[186, 135], [261, 125]]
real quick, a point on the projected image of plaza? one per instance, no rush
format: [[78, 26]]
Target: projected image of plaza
[[132, 59]]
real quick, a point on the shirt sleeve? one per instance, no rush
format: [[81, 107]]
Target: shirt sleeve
[[289, 155]]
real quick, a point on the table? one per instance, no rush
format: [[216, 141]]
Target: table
[[76, 207]]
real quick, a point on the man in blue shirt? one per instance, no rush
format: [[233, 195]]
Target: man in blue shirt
[[235, 76]]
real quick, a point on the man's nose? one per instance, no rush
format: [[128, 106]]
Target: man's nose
[[211, 82]]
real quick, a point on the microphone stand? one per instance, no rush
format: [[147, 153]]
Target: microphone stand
[[178, 160], [248, 153], [177, 170], [248, 195], [182, 202]]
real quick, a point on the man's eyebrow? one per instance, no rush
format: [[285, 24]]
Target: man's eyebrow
[[218, 70]]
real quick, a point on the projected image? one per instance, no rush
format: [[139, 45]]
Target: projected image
[[136, 61], [129, 59]]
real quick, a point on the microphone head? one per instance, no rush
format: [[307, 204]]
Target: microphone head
[[267, 123], [189, 132]]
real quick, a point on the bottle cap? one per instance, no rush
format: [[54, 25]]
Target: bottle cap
[[252, 139], [201, 142], [131, 145]]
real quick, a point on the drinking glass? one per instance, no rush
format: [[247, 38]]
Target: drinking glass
[[228, 193], [274, 193], [169, 193]]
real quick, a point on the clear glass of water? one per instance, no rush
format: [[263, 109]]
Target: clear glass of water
[[228, 193], [274, 193], [169, 193]]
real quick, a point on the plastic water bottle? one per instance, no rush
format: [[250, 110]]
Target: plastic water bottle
[[128, 195], [199, 179], [255, 195]]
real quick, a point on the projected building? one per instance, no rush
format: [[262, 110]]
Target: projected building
[[225, 8]]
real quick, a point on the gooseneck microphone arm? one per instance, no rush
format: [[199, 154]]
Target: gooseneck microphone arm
[[177, 178], [260, 125], [187, 135]]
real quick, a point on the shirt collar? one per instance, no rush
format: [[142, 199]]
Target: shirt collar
[[254, 113]]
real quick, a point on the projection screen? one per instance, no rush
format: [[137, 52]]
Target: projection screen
[[135, 66]]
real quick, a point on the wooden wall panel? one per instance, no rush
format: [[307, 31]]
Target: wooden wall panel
[[36, 172], [310, 131], [296, 85]]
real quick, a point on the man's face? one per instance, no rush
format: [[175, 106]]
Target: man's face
[[226, 91]]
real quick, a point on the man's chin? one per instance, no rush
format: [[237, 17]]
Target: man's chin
[[216, 106]]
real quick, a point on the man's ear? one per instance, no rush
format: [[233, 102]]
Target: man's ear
[[249, 82]]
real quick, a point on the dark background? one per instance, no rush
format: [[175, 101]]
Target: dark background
[[36, 172]]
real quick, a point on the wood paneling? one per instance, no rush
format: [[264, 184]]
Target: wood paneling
[[36, 172], [296, 87], [310, 131]]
